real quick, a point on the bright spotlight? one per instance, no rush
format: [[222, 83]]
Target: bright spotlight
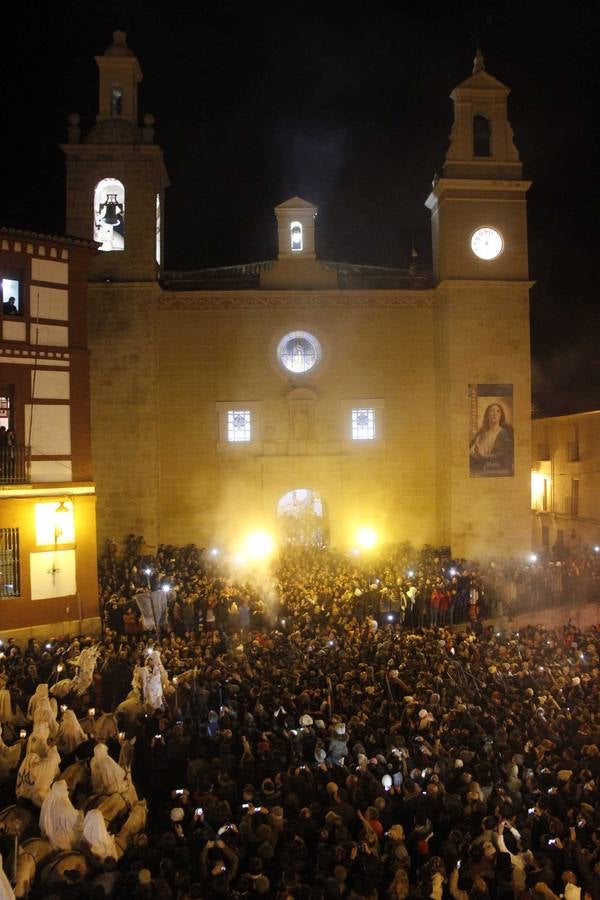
[[259, 545], [390, 617], [410, 573], [239, 560], [596, 549], [452, 573], [214, 551], [366, 538], [147, 571], [165, 587], [533, 557]]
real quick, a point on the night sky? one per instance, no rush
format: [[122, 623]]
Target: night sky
[[344, 104]]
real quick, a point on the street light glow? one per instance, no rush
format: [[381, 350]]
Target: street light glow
[[259, 545], [366, 537]]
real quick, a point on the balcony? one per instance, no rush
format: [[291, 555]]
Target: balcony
[[15, 465]]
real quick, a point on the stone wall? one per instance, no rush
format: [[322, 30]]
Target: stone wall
[[124, 406]]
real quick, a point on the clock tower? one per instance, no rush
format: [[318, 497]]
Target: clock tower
[[479, 233]]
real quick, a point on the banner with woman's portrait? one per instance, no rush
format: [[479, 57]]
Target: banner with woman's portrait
[[491, 438]]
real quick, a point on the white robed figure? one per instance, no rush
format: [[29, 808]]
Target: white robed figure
[[42, 698], [96, 835], [154, 681], [6, 891], [71, 734], [86, 663], [9, 757], [60, 822], [35, 776], [44, 714], [6, 713], [38, 740], [108, 777]]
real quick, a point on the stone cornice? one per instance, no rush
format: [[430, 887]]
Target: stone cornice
[[299, 300]]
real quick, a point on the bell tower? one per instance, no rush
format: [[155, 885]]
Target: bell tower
[[479, 234], [481, 188], [116, 177], [116, 180]]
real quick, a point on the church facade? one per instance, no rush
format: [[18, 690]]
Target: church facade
[[371, 403]]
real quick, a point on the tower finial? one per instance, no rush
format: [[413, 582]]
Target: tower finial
[[478, 62]]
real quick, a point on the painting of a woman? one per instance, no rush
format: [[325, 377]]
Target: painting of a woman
[[491, 451]]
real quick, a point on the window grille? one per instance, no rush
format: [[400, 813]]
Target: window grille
[[363, 424], [10, 572], [239, 427]]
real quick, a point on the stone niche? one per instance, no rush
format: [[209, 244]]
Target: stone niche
[[303, 425]]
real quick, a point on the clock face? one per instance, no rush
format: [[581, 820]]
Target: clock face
[[487, 243]]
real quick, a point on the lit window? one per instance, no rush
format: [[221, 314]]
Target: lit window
[[363, 424], [10, 290], [109, 214], [299, 351], [296, 236], [10, 573], [238, 425], [116, 101]]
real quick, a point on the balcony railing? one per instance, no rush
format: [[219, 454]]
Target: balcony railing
[[15, 465]]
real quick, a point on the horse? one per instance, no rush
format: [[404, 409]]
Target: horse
[[77, 775], [31, 853], [135, 822], [131, 708], [66, 868], [17, 820], [110, 805]]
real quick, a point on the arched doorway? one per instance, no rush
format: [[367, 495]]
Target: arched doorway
[[302, 518]]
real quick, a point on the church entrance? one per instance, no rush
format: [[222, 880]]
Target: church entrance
[[302, 519]]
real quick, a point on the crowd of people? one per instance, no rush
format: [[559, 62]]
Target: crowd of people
[[416, 587], [307, 733]]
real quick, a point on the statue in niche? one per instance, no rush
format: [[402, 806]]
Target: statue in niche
[[301, 424]]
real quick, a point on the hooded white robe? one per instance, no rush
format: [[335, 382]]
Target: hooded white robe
[[6, 891], [60, 822], [38, 740], [36, 775], [108, 777], [70, 734], [6, 713], [95, 833], [9, 758], [41, 693]]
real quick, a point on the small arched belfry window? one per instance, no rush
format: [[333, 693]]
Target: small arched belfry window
[[296, 236], [482, 136], [109, 214], [116, 101]]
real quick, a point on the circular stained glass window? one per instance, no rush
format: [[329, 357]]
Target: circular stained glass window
[[299, 351]]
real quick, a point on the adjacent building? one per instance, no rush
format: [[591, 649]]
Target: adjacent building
[[565, 481], [48, 580]]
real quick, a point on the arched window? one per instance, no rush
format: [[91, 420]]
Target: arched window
[[109, 214], [116, 101], [296, 236], [482, 136]]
